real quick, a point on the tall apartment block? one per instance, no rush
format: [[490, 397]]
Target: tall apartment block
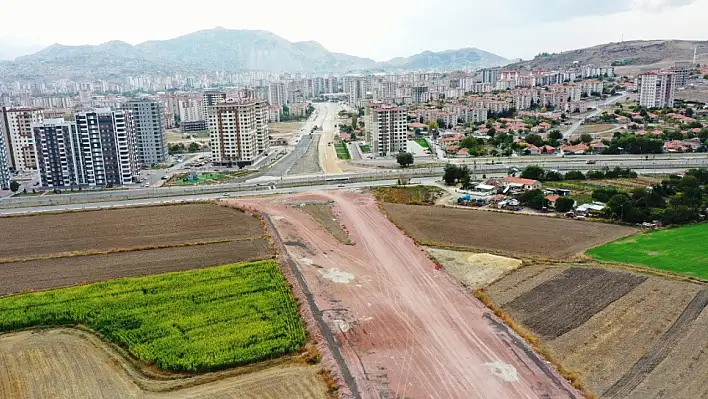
[[657, 89], [277, 94], [238, 132], [210, 98], [4, 164], [109, 148], [60, 154], [386, 130], [683, 70], [150, 137], [490, 75], [19, 142]]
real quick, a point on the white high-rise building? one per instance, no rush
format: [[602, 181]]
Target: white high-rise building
[[387, 130], [17, 126], [210, 98], [657, 89], [238, 132], [148, 117], [277, 94], [111, 158]]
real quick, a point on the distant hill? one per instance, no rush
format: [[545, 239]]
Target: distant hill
[[630, 53], [449, 59], [220, 49], [12, 48]]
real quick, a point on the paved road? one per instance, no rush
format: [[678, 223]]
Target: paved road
[[187, 198], [592, 114]]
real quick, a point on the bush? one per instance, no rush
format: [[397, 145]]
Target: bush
[[574, 175], [604, 194], [533, 172], [553, 175], [564, 204], [595, 175]]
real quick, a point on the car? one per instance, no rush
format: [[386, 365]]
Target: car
[[225, 195], [165, 177], [146, 185], [341, 186]]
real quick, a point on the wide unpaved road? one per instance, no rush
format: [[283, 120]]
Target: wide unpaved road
[[405, 329], [328, 156]]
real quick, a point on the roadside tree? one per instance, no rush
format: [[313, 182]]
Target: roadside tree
[[405, 159]]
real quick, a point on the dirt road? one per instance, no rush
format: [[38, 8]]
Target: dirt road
[[405, 329], [328, 157]]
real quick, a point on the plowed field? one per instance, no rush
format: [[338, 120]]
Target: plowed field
[[626, 334], [49, 251], [501, 232]]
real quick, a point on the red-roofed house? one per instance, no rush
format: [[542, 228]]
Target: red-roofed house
[[575, 149]]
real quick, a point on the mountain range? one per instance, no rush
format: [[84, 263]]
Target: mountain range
[[635, 53], [220, 49]]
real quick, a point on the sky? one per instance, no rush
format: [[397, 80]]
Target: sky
[[378, 29]]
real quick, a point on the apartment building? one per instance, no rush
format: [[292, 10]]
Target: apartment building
[[491, 75], [238, 132], [386, 129], [60, 161], [210, 98], [682, 70], [4, 164], [17, 127], [656, 89], [150, 137], [277, 94], [109, 147]]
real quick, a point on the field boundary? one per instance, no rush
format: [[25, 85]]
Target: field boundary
[[534, 342], [73, 254], [343, 373], [658, 352]]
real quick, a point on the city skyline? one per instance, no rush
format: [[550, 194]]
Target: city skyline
[[520, 30]]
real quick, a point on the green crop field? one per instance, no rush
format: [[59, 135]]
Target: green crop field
[[198, 320], [681, 250], [342, 151]]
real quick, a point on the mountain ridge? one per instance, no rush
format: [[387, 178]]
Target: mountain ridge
[[226, 50]]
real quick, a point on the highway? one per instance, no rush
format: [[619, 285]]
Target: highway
[[190, 198]]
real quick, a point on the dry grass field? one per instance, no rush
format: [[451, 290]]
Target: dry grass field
[[67, 364], [324, 215], [501, 232], [625, 334]]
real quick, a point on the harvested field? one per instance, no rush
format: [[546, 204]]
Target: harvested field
[[68, 364], [559, 305], [62, 272], [404, 329], [123, 228], [324, 215], [621, 328], [501, 232], [474, 270]]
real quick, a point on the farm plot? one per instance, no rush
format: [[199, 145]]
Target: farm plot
[[45, 274], [680, 250], [499, 232], [106, 230], [191, 321], [89, 368], [621, 332]]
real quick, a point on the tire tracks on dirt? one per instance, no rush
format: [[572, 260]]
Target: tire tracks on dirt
[[647, 363]]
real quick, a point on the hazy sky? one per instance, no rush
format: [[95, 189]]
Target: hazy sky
[[379, 29]]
